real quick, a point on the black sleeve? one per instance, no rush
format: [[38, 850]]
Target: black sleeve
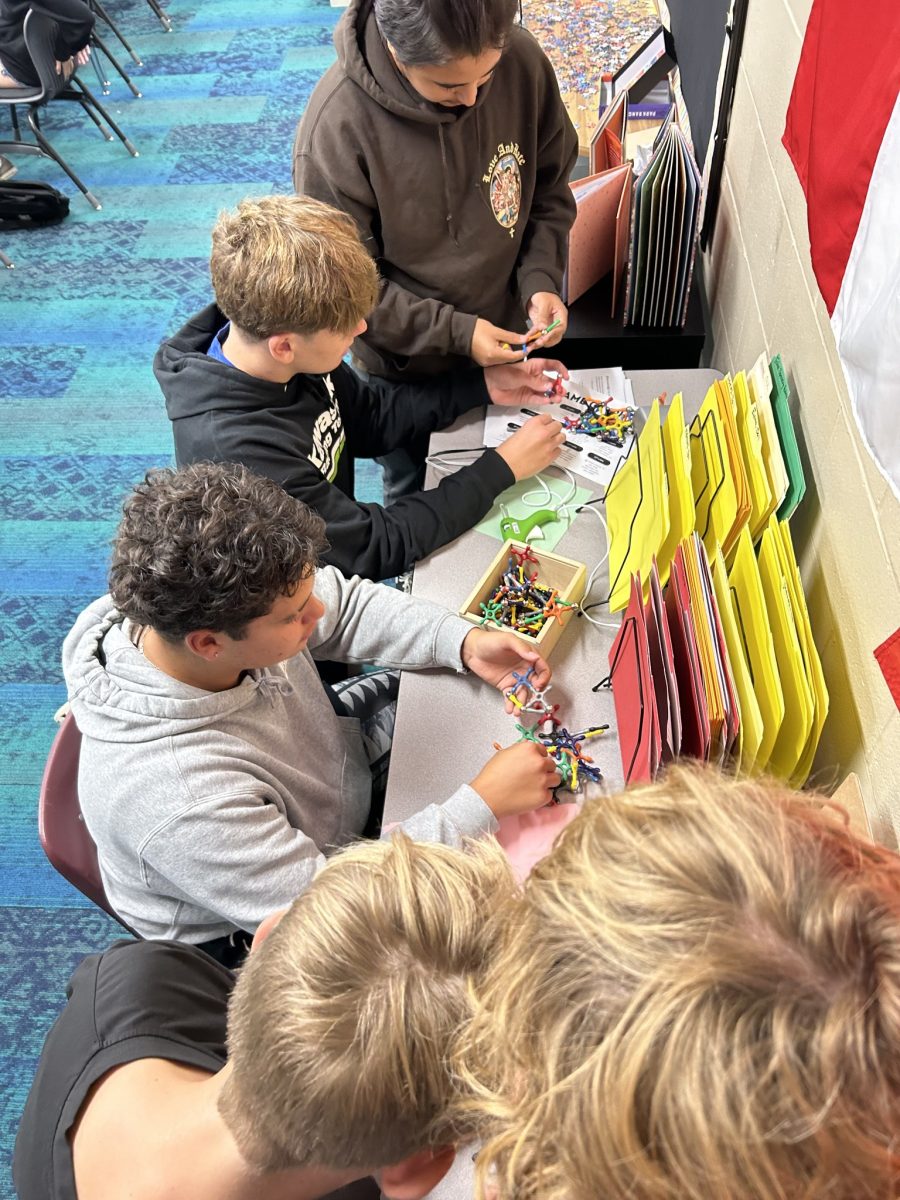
[[377, 541], [370, 540], [75, 21], [379, 416]]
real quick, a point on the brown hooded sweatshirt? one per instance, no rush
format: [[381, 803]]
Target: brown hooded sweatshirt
[[466, 211]]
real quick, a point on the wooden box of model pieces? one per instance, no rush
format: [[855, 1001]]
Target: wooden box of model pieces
[[552, 585]]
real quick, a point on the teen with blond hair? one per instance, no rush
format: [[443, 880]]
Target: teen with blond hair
[[698, 998], [258, 378], [338, 1032]]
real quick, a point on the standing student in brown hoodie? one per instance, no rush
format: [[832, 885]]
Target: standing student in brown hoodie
[[441, 131]]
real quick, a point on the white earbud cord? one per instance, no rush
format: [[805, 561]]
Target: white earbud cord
[[545, 497]]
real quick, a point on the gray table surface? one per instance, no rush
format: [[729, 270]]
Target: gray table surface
[[446, 723]]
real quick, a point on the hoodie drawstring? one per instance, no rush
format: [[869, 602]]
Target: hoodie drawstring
[[450, 228], [272, 686]]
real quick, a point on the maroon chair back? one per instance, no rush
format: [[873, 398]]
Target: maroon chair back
[[61, 828]]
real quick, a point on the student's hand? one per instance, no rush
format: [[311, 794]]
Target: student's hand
[[518, 779], [488, 341], [535, 446], [493, 655], [543, 309], [66, 69], [524, 383], [83, 57]]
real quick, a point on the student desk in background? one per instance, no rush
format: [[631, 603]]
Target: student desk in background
[[446, 723]]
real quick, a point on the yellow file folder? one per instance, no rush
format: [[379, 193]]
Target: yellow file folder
[[677, 456], [717, 472], [759, 385], [812, 663], [798, 701], [762, 501], [637, 512], [728, 413], [750, 735], [677, 459], [752, 618], [711, 480]]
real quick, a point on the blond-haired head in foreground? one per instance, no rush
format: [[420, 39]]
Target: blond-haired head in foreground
[[698, 998], [342, 1024]]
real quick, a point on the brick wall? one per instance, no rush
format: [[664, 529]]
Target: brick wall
[[763, 297]]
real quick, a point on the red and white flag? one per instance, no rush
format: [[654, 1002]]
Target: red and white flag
[[843, 135]]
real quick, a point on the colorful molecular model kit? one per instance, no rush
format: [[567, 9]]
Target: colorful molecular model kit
[[576, 769], [607, 419], [598, 416], [600, 419], [519, 602]]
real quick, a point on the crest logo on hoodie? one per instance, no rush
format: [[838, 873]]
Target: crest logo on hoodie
[[504, 180], [328, 437]]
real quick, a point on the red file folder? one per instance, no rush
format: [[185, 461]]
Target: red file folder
[[632, 685], [695, 730], [662, 667]]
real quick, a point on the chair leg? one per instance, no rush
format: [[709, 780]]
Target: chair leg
[[7, 262], [17, 132], [104, 16], [90, 112], [101, 45], [104, 84], [49, 150], [163, 16], [98, 108]]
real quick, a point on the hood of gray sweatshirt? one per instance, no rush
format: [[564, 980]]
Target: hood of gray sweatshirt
[[212, 809]]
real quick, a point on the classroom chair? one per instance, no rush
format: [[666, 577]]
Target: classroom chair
[[101, 48], [98, 43], [38, 31], [97, 7], [63, 834]]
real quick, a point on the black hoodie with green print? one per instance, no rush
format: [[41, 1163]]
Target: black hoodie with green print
[[305, 434], [466, 211]]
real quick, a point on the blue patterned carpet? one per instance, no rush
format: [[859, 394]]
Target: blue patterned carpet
[[82, 417]]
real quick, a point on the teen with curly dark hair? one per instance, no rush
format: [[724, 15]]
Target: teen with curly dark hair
[[217, 769]]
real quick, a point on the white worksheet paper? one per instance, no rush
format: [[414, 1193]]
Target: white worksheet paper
[[599, 383]]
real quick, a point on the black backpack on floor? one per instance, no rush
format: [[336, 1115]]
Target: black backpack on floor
[[25, 205]]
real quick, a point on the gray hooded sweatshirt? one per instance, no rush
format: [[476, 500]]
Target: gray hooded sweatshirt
[[212, 809]]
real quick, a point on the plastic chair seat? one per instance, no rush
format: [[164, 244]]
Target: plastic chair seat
[[63, 834]]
